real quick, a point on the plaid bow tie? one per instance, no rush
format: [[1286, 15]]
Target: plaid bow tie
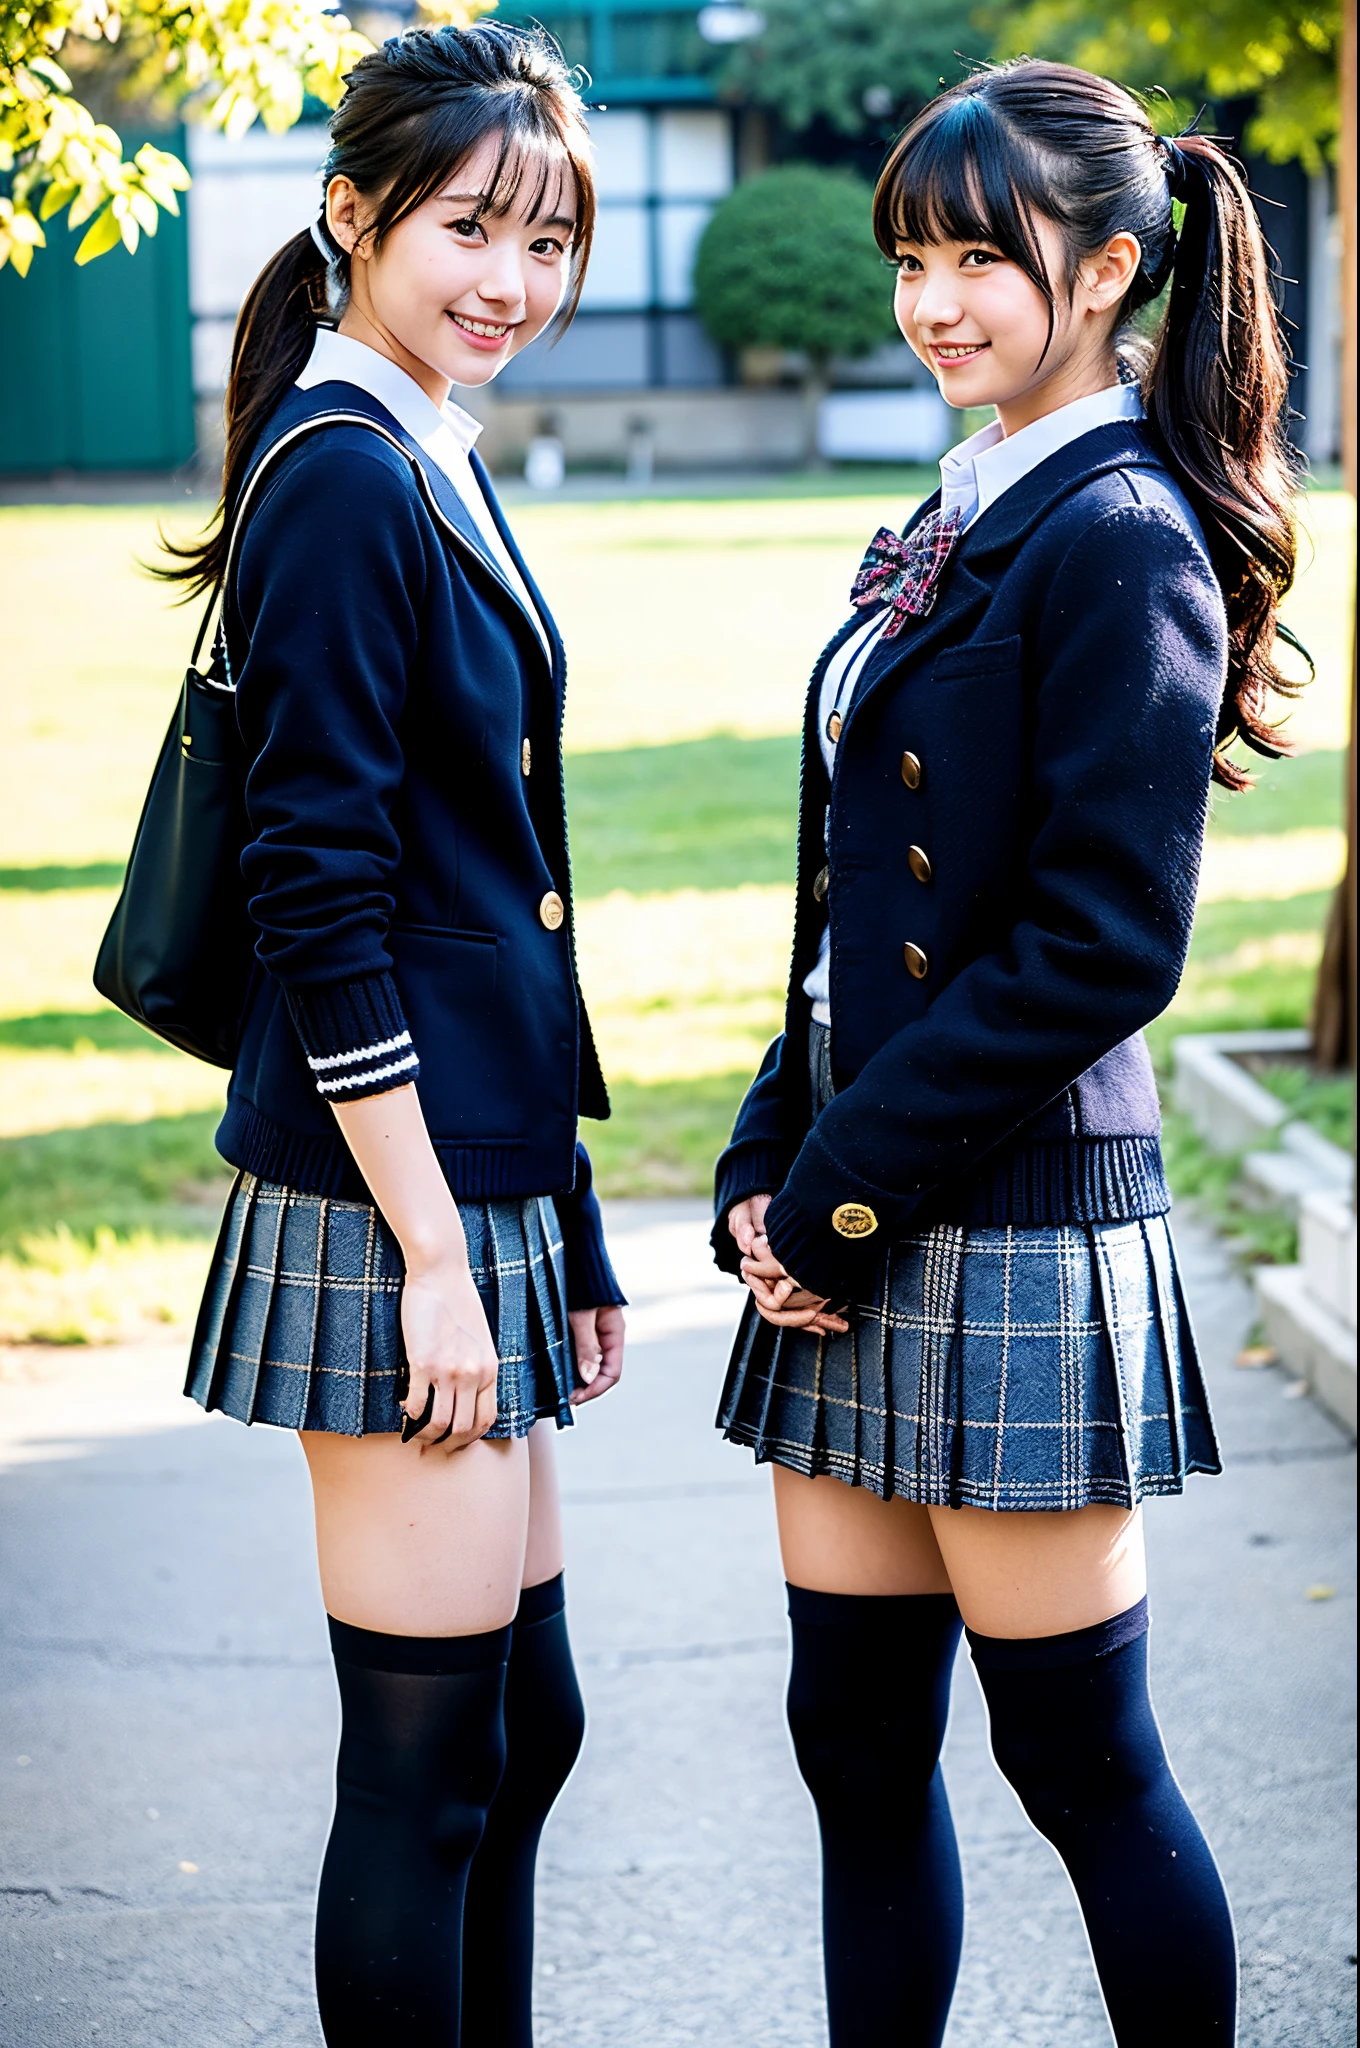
[[906, 573]]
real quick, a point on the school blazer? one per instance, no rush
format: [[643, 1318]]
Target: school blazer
[[406, 865], [1016, 820]]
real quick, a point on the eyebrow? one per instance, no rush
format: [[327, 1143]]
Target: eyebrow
[[554, 220]]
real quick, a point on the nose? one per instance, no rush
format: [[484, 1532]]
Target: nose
[[501, 282], [937, 302]]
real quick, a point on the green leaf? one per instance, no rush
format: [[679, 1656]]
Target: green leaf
[[104, 235], [55, 197]]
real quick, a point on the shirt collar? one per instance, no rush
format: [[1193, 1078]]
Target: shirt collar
[[339, 358], [976, 473]]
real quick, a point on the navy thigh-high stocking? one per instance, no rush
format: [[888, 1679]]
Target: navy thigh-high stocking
[[422, 1746], [868, 1703], [544, 1728], [1074, 1731]]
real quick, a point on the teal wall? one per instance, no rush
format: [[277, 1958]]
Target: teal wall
[[94, 363]]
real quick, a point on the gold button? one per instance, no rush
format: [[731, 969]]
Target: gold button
[[918, 860], [552, 910], [833, 727], [526, 759], [821, 885], [853, 1219], [911, 770], [916, 960]]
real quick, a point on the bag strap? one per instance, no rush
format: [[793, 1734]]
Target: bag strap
[[217, 600], [272, 454]]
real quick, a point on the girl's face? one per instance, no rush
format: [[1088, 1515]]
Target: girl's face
[[451, 295], [982, 327]]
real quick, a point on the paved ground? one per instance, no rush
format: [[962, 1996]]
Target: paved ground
[[167, 1717]]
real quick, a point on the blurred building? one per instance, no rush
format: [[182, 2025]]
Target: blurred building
[[122, 365]]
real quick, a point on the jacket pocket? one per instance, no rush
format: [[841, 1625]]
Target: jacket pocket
[[474, 1079], [455, 965], [978, 658]]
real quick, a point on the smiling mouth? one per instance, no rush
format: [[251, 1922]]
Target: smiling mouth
[[957, 351], [481, 330]]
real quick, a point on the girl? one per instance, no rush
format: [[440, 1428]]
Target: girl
[[966, 1347], [412, 1259]]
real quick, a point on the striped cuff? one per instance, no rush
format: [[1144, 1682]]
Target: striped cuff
[[355, 1037]]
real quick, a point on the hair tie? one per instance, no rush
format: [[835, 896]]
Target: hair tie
[[1187, 177], [337, 285], [1187, 182], [1182, 171]]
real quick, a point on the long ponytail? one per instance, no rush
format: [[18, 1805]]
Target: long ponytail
[[412, 112], [274, 333], [1216, 392], [1026, 140]]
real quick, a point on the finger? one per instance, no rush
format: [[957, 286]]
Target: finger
[[417, 1410], [611, 1362], [468, 1388], [441, 1414], [788, 1319], [484, 1412], [588, 1365], [762, 1294]]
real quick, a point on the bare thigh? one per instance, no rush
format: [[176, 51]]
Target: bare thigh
[[419, 1544], [1016, 1574], [543, 1553]]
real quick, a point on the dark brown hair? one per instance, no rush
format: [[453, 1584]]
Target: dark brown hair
[[1027, 140], [412, 112]]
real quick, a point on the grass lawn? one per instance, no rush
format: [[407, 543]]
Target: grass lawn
[[692, 624]]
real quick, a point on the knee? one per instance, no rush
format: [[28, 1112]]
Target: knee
[[545, 1728], [858, 1754], [1065, 1777], [1037, 1774], [559, 1737]]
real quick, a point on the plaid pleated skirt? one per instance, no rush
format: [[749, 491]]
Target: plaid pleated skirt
[[300, 1324], [1004, 1368]]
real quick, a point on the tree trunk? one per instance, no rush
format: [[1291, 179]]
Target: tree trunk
[[1334, 1009]]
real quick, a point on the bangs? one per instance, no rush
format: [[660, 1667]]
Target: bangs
[[959, 174], [533, 158]]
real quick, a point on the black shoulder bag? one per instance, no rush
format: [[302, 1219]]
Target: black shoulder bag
[[178, 950], [178, 953]]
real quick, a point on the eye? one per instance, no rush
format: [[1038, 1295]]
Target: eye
[[978, 259], [548, 245], [909, 266], [466, 228]]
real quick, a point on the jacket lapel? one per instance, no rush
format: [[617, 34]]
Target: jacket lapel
[[559, 659], [444, 501], [964, 593]]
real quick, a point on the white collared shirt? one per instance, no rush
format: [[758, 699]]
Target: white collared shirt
[[982, 468], [445, 433], [972, 477]]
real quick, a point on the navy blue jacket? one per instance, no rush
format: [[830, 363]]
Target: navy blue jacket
[[1061, 701], [408, 843]]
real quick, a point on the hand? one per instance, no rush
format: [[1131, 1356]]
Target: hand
[[448, 1347], [781, 1301], [597, 1341], [746, 1221]]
